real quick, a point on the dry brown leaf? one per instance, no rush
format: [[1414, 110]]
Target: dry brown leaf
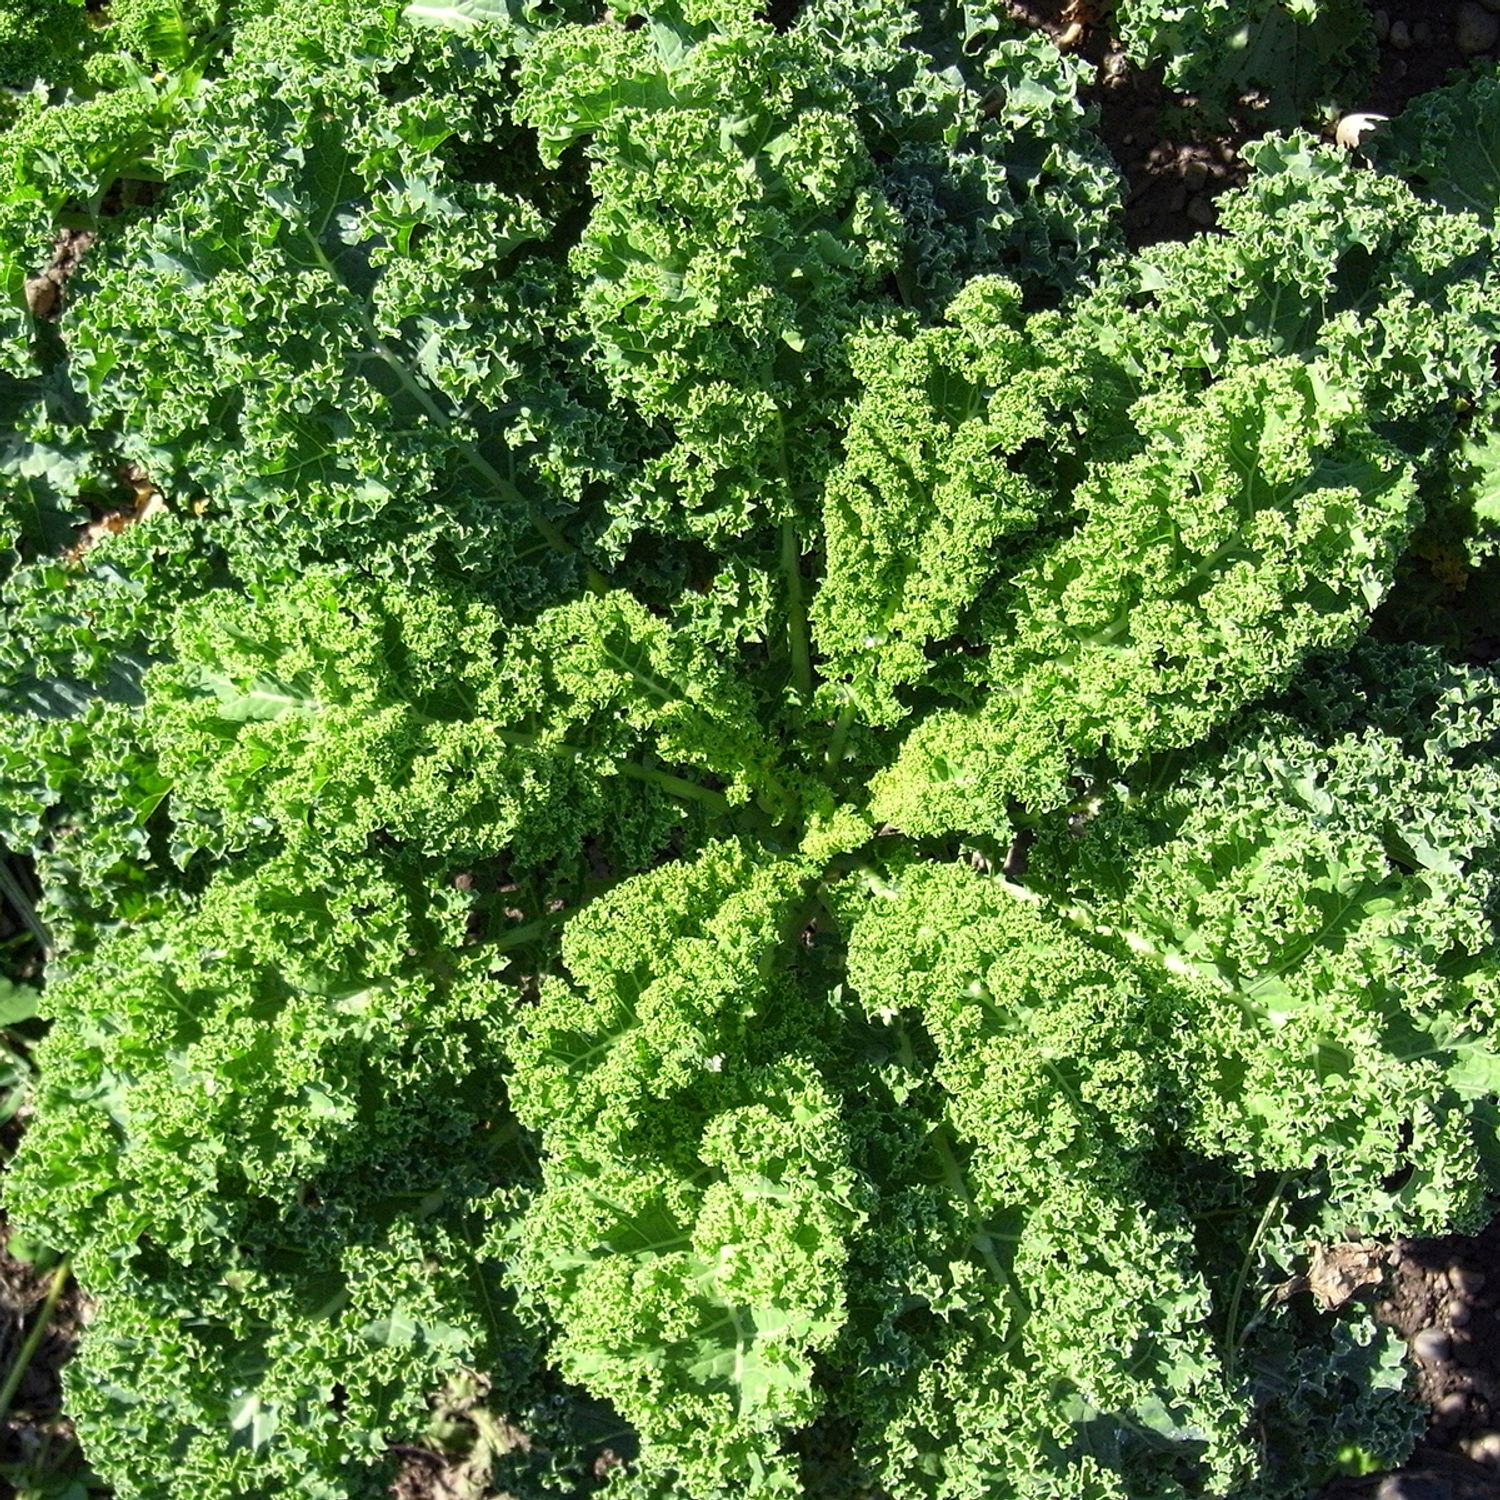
[[1339, 1272], [148, 502]]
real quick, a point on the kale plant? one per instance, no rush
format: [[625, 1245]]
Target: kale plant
[[696, 759], [1283, 60]]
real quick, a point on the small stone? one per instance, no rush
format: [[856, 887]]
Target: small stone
[[1178, 201], [1462, 1279], [1114, 68], [1431, 1346], [1382, 23], [1400, 36], [1413, 1487], [1201, 211], [1451, 1409], [1476, 30], [1459, 1312], [1348, 134], [1194, 175], [1484, 1448], [1421, 33]]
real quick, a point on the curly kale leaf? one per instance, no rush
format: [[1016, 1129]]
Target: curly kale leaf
[[334, 333], [58, 164], [1016, 1332], [943, 483], [694, 1148], [237, 1394], [982, 143], [263, 1124], [1337, 892], [1289, 58], [1346, 269], [82, 144], [40, 39], [323, 714], [1446, 144], [266, 977], [1255, 527], [736, 231], [80, 782], [335, 713]]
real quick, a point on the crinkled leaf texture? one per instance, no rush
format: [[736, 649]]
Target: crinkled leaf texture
[[732, 780], [1253, 528], [1447, 144], [701, 1156], [1287, 57], [262, 1126]]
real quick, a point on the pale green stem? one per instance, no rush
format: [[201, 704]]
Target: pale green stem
[[677, 786], [796, 600], [1233, 1332], [22, 1362], [841, 728]]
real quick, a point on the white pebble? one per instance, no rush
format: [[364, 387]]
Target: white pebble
[[1484, 1448], [1431, 1346]]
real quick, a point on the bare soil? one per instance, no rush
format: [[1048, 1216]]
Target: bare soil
[[1174, 164], [37, 1448], [1443, 1297]]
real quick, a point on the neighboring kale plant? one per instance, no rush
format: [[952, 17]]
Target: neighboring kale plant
[[1280, 60], [753, 811], [86, 111]]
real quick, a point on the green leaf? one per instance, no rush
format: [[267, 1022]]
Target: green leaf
[[459, 15], [260, 701], [1447, 144], [1297, 53], [877, 993], [393, 1332], [1475, 1072], [18, 1002], [1482, 456]]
